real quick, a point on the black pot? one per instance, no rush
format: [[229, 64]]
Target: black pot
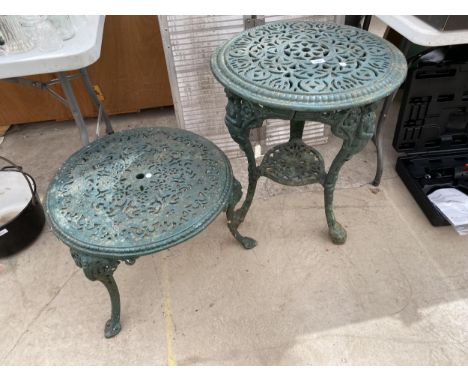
[[21, 213]]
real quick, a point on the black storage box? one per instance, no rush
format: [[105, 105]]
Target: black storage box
[[432, 127]]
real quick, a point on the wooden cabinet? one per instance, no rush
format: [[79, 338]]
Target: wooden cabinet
[[131, 73]]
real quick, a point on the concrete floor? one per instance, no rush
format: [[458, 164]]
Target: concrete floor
[[394, 294]]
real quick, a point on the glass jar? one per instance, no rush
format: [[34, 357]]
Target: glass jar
[[14, 38], [63, 25], [41, 31]]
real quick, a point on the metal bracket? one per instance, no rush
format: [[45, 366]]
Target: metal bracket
[[44, 85], [70, 100]]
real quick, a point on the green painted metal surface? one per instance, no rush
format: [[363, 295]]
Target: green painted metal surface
[[301, 71], [138, 192], [134, 193], [309, 66]]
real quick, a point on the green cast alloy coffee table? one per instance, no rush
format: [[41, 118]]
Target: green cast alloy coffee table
[[304, 71], [135, 193]]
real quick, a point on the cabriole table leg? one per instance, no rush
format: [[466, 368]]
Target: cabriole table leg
[[241, 117], [296, 129], [356, 129], [336, 231], [102, 269], [234, 218]]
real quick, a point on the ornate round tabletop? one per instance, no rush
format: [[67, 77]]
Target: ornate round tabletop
[[309, 66], [139, 191]]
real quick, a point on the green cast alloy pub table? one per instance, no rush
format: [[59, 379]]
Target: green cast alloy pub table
[[304, 71], [134, 193]]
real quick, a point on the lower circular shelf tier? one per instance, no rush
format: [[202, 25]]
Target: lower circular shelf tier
[[293, 164]]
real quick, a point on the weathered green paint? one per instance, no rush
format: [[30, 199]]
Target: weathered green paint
[[102, 269], [309, 66], [304, 71], [134, 193]]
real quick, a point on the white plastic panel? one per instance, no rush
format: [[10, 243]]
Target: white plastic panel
[[199, 99]]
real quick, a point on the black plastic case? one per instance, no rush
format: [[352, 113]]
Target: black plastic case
[[432, 128]]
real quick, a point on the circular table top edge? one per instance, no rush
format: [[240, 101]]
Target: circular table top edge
[[314, 102], [147, 249]]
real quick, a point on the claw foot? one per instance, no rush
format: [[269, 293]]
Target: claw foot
[[112, 329], [337, 233], [247, 242]]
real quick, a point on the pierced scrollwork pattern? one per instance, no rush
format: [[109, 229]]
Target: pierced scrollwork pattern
[[304, 71], [356, 127], [309, 63], [294, 164], [102, 269], [139, 191], [95, 268], [242, 116]]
